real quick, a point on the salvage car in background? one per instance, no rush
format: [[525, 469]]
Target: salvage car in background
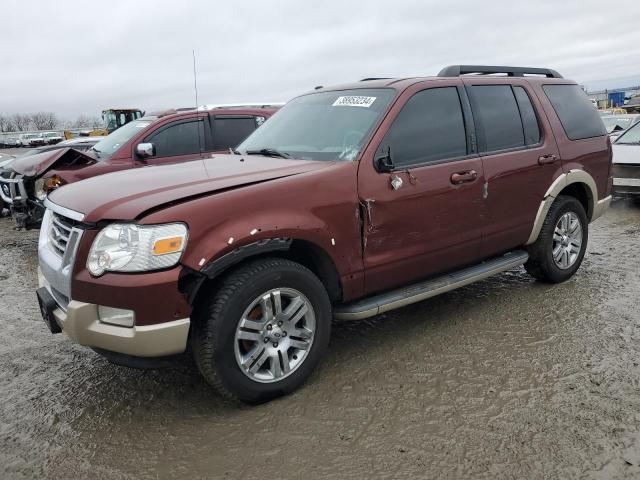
[[166, 137], [31, 140], [626, 163], [79, 143], [51, 138], [12, 142], [616, 124]]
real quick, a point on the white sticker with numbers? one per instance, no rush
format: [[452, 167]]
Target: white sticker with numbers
[[354, 101]]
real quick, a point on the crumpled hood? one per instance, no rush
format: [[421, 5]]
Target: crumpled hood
[[127, 194], [626, 153], [35, 165]]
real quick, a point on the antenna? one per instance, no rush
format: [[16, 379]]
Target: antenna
[[195, 88]]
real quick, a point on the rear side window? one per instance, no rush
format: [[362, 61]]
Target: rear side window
[[429, 128], [498, 117], [229, 132], [576, 113], [177, 139], [529, 120]]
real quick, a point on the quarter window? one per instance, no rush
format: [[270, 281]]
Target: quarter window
[[578, 116], [429, 128], [177, 139], [229, 132], [498, 117], [528, 115]]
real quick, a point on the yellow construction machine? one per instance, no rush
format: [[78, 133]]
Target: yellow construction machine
[[113, 119]]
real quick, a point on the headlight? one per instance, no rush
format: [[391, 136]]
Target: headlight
[[39, 189], [127, 247]]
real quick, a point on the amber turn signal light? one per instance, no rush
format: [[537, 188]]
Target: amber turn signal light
[[51, 183], [167, 245]]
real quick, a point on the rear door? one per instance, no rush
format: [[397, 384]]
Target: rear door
[[178, 141], [425, 216], [519, 156], [228, 131]]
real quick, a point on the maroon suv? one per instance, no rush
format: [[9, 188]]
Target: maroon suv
[[351, 201], [167, 137]]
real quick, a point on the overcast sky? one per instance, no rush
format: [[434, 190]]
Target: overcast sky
[[78, 57]]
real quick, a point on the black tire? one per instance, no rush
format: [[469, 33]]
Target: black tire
[[218, 314], [541, 264]]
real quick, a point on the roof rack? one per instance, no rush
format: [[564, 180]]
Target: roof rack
[[240, 105], [457, 70]]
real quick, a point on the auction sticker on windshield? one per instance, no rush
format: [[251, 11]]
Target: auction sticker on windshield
[[354, 101]]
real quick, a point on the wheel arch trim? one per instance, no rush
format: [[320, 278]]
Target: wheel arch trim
[[595, 207]]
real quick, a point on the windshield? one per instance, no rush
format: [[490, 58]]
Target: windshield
[[631, 136], [611, 123], [321, 126], [111, 143]]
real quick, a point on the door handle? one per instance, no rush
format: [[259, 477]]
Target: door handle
[[463, 177], [547, 159]]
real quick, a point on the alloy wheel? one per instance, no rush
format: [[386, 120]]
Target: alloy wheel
[[567, 240], [274, 335]]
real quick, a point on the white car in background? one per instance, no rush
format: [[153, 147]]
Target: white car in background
[[51, 138], [626, 163], [31, 140], [617, 124]]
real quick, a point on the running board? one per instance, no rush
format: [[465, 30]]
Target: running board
[[417, 292]]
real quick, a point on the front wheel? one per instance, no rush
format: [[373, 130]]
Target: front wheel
[[558, 252], [262, 332]]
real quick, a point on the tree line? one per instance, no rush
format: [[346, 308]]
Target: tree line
[[25, 122]]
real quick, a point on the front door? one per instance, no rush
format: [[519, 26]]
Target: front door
[[426, 215]]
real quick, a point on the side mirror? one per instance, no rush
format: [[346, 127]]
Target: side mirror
[[384, 163], [145, 150]]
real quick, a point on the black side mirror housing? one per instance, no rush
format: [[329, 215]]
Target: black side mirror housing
[[384, 163]]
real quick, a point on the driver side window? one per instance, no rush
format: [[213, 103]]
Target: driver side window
[[429, 128], [177, 139]]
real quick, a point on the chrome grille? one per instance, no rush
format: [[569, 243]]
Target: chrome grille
[[59, 233]]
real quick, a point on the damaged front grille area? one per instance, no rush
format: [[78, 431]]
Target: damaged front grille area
[[12, 189]]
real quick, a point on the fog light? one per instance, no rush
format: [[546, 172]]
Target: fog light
[[116, 316]]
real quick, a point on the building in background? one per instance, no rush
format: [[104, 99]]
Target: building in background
[[627, 98]]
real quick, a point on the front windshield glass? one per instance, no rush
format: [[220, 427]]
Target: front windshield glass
[[322, 126], [631, 136], [611, 123], [112, 142]]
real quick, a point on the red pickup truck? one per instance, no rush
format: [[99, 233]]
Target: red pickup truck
[[349, 202], [159, 138]]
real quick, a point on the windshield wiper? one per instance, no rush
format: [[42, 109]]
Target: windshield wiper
[[97, 151], [268, 152]]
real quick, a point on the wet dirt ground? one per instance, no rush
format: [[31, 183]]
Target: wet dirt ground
[[507, 378]]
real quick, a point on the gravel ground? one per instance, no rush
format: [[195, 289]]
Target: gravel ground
[[507, 378]]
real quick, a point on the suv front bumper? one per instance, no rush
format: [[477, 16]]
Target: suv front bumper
[[626, 180], [81, 323]]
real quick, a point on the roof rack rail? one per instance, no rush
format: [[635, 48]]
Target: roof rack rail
[[368, 79], [457, 70], [240, 105]]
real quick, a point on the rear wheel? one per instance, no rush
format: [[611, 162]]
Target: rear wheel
[[262, 332], [558, 252]]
